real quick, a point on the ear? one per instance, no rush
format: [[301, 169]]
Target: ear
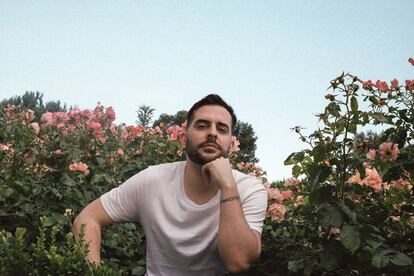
[[183, 139]]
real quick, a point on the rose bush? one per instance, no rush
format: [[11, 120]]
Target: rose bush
[[352, 211], [56, 164]]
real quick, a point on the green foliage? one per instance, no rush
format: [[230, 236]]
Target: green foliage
[[49, 254], [144, 114], [169, 120], [247, 138], [33, 101]]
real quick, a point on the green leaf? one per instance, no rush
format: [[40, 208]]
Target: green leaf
[[350, 238], [351, 214], [401, 259], [318, 174], [67, 180], [321, 195], [330, 216], [380, 261], [379, 117], [333, 109], [354, 104], [296, 170], [373, 243], [328, 261], [294, 158], [296, 265], [352, 128], [319, 152]]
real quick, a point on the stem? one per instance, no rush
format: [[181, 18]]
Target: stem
[[344, 154]]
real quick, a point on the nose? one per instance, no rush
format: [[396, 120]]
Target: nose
[[212, 132]]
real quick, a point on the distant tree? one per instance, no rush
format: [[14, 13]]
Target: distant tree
[[144, 113], [34, 101], [169, 120], [247, 138]]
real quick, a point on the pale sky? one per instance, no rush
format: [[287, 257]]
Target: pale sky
[[271, 60]]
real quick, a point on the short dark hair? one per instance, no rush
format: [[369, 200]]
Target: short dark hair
[[212, 99]]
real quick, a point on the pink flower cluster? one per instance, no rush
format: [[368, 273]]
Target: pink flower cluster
[[175, 132], [277, 197], [294, 182], [250, 169], [372, 179], [386, 151], [234, 146]]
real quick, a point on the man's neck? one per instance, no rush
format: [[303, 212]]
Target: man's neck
[[195, 186]]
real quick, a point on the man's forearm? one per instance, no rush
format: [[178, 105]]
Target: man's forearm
[[92, 237], [237, 243]]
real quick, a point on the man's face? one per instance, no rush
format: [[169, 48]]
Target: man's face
[[209, 135]]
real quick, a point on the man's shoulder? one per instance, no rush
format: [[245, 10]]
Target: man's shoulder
[[167, 166], [241, 177], [165, 169]]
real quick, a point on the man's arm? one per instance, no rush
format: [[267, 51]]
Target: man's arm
[[94, 217], [238, 244]]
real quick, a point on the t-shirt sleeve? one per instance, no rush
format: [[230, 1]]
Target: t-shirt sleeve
[[254, 205], [124, 202]]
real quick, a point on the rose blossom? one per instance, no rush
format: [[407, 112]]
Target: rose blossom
[[389, 148], [4, 147], [234, 146], [276, 211], [286, 194], [367, 84], [382, 86], [394, 84], [80, 166], [371, 154], [120, 151]]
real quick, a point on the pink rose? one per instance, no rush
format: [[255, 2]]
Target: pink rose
[[394, 84], [387, 149], [111, 113], [382, 86], [286, 194], [120, 151], [371, 154], [81, 167], [234, 146], [46, 117], [276, 211], [367, 84], [274, 193], [4, 147], [35, 127], [409, 84], [372, 179]]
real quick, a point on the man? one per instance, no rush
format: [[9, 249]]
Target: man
[[199, 216]]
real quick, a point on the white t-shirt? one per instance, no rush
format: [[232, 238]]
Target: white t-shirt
[[181, 235]]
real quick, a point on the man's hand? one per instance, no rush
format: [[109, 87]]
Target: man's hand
[[219, 172]]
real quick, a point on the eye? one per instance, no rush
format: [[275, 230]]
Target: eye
[[223, 129], [201, 125]]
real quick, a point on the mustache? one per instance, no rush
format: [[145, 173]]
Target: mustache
[[209, 142]]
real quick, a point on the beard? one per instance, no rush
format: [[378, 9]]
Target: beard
[[197, 157]]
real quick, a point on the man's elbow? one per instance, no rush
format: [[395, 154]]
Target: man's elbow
[[236, 266]]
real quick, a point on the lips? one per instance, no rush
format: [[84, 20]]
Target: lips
[[209, 145]]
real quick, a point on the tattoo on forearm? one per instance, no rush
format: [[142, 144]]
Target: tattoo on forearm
[[228, 199]]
